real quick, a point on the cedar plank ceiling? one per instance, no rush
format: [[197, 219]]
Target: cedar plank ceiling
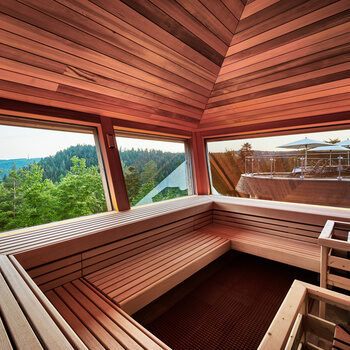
[[164, 62], [141, 60], [287, 60]]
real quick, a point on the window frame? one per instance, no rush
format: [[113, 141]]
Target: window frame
[[161, 136], [66, 126]]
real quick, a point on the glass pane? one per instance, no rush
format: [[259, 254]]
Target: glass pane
[[153, 170], [311, 168], [46, 176]]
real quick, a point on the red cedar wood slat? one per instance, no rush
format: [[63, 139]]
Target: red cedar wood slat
[[78, 104], [68, 32], [107, 89], [300, 113], [172, 17], [328, 74], [287, 38], [83, 23], [58, 100], [236, 7], [282, 126], [299, 8], [309, 63], [291, 26], [286, 107], [132, 17], [277, 62], [138, 35], [104, 65], [256, 6], [222, 13], [284, 49], [206, 17], [310, 92]]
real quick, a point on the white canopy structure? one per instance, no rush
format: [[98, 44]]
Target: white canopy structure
[[330, 148], [305, 143]]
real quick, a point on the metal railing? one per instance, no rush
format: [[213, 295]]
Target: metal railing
[[325, 165]]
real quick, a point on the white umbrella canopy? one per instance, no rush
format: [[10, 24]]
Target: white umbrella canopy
[[330, 148], [305, 143], [345, 143]]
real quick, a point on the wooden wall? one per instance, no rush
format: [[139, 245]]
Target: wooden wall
[[287, 60], [151, 61]]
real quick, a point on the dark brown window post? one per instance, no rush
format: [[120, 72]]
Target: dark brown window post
[[114, 171], [200, 164]]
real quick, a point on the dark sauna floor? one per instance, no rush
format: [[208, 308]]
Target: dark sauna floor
[[228, 305]]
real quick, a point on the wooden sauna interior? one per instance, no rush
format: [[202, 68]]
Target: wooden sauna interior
[[196, 70]]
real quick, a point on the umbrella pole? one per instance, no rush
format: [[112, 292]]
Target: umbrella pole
[[305, 157]]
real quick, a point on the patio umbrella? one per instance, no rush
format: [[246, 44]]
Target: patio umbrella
[[305, 143], [345, 143], [330, 148]]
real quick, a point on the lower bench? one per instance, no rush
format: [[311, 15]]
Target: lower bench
[[134, 282], [99, 322], [301, 254]]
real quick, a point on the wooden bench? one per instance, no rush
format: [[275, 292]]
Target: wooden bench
[[99, 322], [143, 268], [28, 320]]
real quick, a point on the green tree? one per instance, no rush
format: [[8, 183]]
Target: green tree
[[36, 203], [132, 181], [149, 171], [80, 192]]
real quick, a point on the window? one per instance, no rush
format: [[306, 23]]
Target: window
[[311, 168], [154, 170], [47, 174]]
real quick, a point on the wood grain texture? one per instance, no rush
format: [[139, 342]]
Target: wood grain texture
[[146, 61], [286, 60]]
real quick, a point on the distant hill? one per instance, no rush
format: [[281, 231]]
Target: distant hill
[[7, 164]]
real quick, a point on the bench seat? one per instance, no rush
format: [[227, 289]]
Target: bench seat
[[282, 249], [27, 319], [139, 279], [99, 322]]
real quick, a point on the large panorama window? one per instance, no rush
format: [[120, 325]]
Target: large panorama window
[[312, 168], [154, 170], [47, 174]]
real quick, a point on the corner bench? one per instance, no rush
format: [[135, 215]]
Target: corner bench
[[92, 268]]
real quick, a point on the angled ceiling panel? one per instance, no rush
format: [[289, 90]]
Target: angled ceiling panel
[[287, 60], [153, 61]]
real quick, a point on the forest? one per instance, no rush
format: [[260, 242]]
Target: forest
[[69, 185]]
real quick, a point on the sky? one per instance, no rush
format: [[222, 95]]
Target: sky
[[22, 142], [271, 143]]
